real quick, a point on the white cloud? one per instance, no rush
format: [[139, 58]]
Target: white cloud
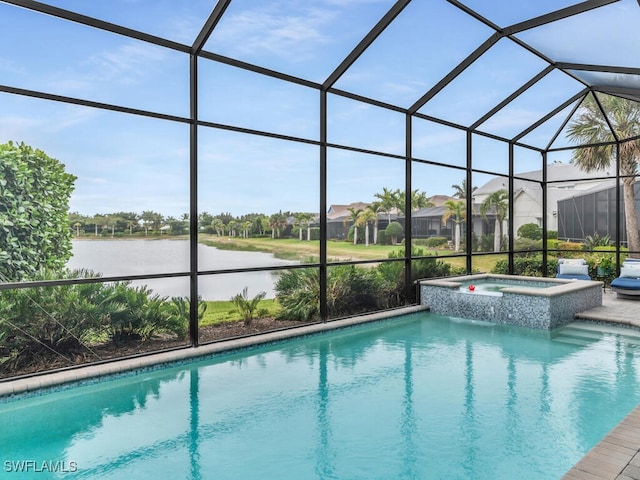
[[266, 30]]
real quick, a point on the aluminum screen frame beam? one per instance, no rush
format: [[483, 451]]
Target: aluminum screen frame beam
[[368, 39], [99, 24]]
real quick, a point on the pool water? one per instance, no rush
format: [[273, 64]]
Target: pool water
[[484, 286], [421, 396]]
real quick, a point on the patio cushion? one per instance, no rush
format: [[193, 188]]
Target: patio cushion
[[572, 261], [573, 269], [626, 283], [573, 277], [628, 271]]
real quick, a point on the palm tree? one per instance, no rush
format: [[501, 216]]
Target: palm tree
[[498, 202], [77, 225], [590, 127], [245, 229], [389, 199], [147, 218], [218, 226], [366, 217], [456, 210], [418, 200], [232, 228], [375, 209], [460, 191], [308, 220], [354, 213], [299, 219]]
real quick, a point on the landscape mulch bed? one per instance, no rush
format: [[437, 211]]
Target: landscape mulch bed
[[108, 351]]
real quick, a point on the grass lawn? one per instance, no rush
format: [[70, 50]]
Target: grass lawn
[[225, 311], [294, 249]]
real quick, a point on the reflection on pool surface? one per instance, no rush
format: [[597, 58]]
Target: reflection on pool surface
[[420, 396]]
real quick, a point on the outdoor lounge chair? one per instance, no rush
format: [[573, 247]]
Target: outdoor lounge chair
[[628, 283], [573, 269]]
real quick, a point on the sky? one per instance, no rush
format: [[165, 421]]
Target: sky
[[128, 162]]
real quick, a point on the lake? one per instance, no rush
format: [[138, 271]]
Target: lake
[[139, 257]]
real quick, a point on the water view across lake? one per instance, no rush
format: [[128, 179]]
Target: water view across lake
[[139, 257]]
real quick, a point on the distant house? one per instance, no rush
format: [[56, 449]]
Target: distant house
[[527, 195], [337, 215], [593, 211]]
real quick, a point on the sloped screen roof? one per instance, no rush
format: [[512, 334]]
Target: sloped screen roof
[[503, 68]]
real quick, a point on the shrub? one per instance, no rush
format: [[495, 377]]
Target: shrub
[[530, 265], [64, 321], [530, 231], [298, 292], [350, 290], [435, 242], [485, 243], [526, 244], [394, 230], [383, 238], [570, 249], [135, 313], [246, 307], [48, 321], [34, 205], [552, 234], [393, 279]]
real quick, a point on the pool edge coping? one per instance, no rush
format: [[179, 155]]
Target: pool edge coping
[[562, 285], [21, 386]]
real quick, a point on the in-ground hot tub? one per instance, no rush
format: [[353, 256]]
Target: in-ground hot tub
[[525, 301]]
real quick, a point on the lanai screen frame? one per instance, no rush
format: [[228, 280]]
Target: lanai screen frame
[[195, 52]]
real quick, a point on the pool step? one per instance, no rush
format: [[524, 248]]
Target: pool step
[[610, 337]]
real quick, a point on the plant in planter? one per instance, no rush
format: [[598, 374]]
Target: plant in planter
[[604, 266]]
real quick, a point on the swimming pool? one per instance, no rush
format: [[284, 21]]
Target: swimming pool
[[420, 396]]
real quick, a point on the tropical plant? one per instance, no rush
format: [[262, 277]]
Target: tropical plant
[[389, 200], [375, 208], [247, 307], [34, 206], [595, 240], [498, 204], [352, 218], [600, 134], [456, 210], [298, 291], [366, 217], [460, 191], [418, 200], [218, 226]]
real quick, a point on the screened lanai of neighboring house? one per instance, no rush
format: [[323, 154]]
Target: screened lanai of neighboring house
[[220, 121]]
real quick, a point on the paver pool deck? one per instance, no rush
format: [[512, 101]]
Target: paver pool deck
[[616, 456]]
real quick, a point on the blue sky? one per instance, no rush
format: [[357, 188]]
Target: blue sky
[[131, 163]]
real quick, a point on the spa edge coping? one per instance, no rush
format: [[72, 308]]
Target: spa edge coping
[[45, 381], [563, 285]]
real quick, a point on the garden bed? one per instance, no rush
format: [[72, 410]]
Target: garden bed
[[108, 351]]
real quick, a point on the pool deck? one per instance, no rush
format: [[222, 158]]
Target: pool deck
[[616, 456]]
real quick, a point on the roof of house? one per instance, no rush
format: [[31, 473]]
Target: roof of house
[[338, 211], [556, 172]]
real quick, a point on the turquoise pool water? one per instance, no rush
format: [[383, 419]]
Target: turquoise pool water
[[418, 397]]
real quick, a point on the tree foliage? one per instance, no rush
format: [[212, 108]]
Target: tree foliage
[[600, 134], [531, 231], [34, 205]]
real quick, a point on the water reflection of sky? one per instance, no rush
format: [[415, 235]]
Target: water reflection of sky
[[422, 396], [140, 257]]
